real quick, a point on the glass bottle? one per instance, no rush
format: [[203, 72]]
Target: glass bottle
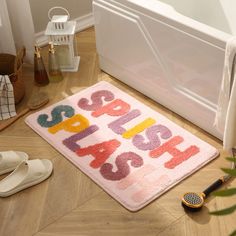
[[54, 70], [40, 73]]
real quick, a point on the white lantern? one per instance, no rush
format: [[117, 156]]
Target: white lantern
[[61, 32]]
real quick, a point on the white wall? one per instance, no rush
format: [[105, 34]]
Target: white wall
[[29, 18], [39, 9]]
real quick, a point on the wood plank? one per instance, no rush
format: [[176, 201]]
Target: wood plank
[[102, 215]]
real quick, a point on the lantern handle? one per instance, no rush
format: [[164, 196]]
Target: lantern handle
[[57, 7]]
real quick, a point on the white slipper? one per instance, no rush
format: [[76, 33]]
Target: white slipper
[[27, 174], [9, 160]]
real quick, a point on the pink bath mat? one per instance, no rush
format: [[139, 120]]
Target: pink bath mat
[[130, 150]]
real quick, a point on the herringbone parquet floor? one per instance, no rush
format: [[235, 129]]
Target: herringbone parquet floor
[[69, 203]]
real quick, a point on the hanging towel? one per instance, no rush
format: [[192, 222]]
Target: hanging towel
[[229, 140], [7, 101], [225, 119]]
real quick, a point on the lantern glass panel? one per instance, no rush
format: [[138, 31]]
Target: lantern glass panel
[[75, 46], [64, 56]]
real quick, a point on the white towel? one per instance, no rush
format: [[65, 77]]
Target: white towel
[[7, 101], [229, 140], [225, 119]]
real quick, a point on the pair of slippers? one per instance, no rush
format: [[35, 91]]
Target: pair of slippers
[[26, 173]]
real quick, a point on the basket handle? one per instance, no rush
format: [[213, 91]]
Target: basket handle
[[57, 7], [19, 59]]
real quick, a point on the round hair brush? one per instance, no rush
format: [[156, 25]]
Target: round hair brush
[[194, 201]]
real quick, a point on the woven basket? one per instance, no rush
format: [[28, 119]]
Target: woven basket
[[11, 65]]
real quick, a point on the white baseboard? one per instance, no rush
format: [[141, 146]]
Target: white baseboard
[[82, 23]]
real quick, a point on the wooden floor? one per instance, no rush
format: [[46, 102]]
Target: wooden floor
[[69, 203]]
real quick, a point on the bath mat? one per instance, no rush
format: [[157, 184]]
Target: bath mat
[[134, 153]]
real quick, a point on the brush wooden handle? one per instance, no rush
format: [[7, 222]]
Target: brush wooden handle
[[13, 119]]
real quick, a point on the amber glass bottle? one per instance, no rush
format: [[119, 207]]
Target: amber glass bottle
[[54, 70], [40, 73]]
